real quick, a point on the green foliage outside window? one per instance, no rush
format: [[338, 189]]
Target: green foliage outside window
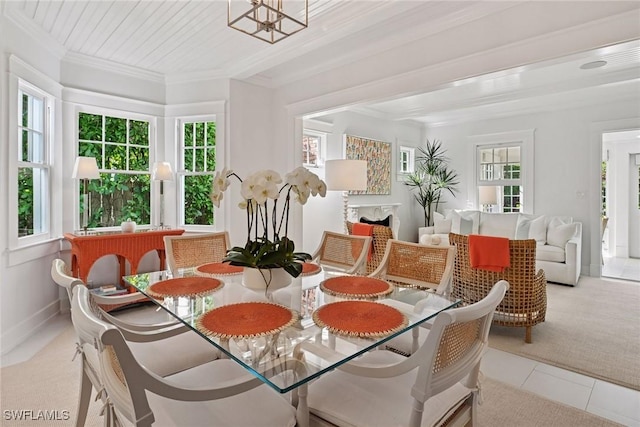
[[120, 146], [199, 160]]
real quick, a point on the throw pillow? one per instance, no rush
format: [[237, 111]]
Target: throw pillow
[[522, 226], [538, 230], [384, 222], [465, 222], [559, 233], [437, 216], [442, 226]]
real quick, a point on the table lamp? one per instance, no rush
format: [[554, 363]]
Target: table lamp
[[86, 168], [162, 172], [346, 175], [488, 197]]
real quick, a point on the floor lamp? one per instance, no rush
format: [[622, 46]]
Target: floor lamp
[[86, 168], [346, 175], [162, 172]]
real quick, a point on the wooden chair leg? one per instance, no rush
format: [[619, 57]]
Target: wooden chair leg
[[84, 398], [527, 335]]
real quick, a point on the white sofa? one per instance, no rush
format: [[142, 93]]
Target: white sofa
[[559, 238]]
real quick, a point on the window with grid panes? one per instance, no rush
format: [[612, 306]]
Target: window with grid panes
[[311, 146], [121, 148], [500, 166], [198, 165], [33, 161]]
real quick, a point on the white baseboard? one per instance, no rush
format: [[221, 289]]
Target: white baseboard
[[17, 335]]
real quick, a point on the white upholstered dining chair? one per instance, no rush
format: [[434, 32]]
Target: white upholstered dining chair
[[436, 385], [219, 393], [164, 351]]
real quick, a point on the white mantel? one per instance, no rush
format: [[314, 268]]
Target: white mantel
[[377, 212]]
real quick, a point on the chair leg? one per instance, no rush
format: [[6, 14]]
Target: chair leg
[[527, 335], [83, 401]]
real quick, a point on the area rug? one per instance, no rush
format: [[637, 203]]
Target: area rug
[[50, 382], [592, 329]]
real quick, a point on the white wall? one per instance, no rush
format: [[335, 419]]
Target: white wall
[[563, 166]]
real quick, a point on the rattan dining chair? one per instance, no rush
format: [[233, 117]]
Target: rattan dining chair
[[195, 249], [426, 268], [217, 393], [437, 384], [342, 253], [381, 234], [525, 304]]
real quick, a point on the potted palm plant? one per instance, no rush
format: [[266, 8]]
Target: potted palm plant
[[431, 178]]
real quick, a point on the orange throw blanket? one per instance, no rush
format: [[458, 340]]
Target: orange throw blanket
[[489, 252], [361, 229]]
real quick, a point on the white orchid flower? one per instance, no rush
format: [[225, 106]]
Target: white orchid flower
[[216, 198], [271, 176]]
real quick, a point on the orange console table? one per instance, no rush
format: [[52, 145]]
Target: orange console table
[[86, 250]]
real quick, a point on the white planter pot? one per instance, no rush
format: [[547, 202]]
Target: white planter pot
[[257, 279], [128, 226]]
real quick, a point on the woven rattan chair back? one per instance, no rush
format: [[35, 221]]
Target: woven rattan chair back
[[525, 304], [380, 236], [342, 252], [194, 250], [408, 264]]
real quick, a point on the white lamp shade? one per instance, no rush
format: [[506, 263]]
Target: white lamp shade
[[346, 175], [488, 195], [86, 168], [162, 171]]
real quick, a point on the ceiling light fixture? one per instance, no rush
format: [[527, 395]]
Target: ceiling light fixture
[[593, 64], [268, 20]]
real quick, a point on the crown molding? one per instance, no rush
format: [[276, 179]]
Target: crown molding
[[114, 67], [28, 27], [195, 76]]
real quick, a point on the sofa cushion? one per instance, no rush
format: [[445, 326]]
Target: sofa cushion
[[442, 226], [532, 228], [550, 253], [498, 224], [464, 222], [559, 233]]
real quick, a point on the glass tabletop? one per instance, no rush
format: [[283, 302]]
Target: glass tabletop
[[300, 323]]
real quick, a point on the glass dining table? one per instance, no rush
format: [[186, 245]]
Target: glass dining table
[[321, 320]]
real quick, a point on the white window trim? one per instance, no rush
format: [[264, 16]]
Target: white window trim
[[322, 147], [400, 174], [526, 138], [131, 115]]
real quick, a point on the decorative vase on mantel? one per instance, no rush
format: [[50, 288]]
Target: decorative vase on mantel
[[265, 279]]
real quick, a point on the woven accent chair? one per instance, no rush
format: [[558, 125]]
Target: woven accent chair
[[215, 393], [342, 252], [380, 236], [196, 249], [525, 304], [437, 385]]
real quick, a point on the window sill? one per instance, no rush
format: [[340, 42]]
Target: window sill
[[22, 254]]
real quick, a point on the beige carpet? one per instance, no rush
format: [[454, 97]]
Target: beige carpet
[[50, 381], [593, 329]]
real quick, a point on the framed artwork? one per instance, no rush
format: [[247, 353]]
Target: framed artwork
[[378, 157]]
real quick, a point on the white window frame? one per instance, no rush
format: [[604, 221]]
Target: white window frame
[[45, 204], [124, 114], [182, 172], [322, 138], [525, 139], [410, 164]]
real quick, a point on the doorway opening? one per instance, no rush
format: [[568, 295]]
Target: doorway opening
[[620, 207]]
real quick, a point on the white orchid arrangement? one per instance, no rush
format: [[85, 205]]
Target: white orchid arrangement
[[267, 243]]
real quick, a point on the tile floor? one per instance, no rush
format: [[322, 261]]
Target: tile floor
[[607, 400], [621, 268]]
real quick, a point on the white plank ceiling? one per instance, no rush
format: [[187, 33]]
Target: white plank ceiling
[[176, 40]]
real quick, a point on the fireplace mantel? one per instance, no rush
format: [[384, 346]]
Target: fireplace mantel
[[377, 212]]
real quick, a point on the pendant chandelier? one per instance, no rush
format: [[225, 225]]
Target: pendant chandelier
[[268, 20]]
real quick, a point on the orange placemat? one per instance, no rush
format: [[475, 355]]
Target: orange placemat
[[246, 320], [218, 269], [310, 268], [359, 287], [362, 319], [185, 287]]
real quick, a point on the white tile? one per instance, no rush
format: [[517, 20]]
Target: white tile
[[566, 375], [615, 399], [506, 367], [558, 389], [612, 416]]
